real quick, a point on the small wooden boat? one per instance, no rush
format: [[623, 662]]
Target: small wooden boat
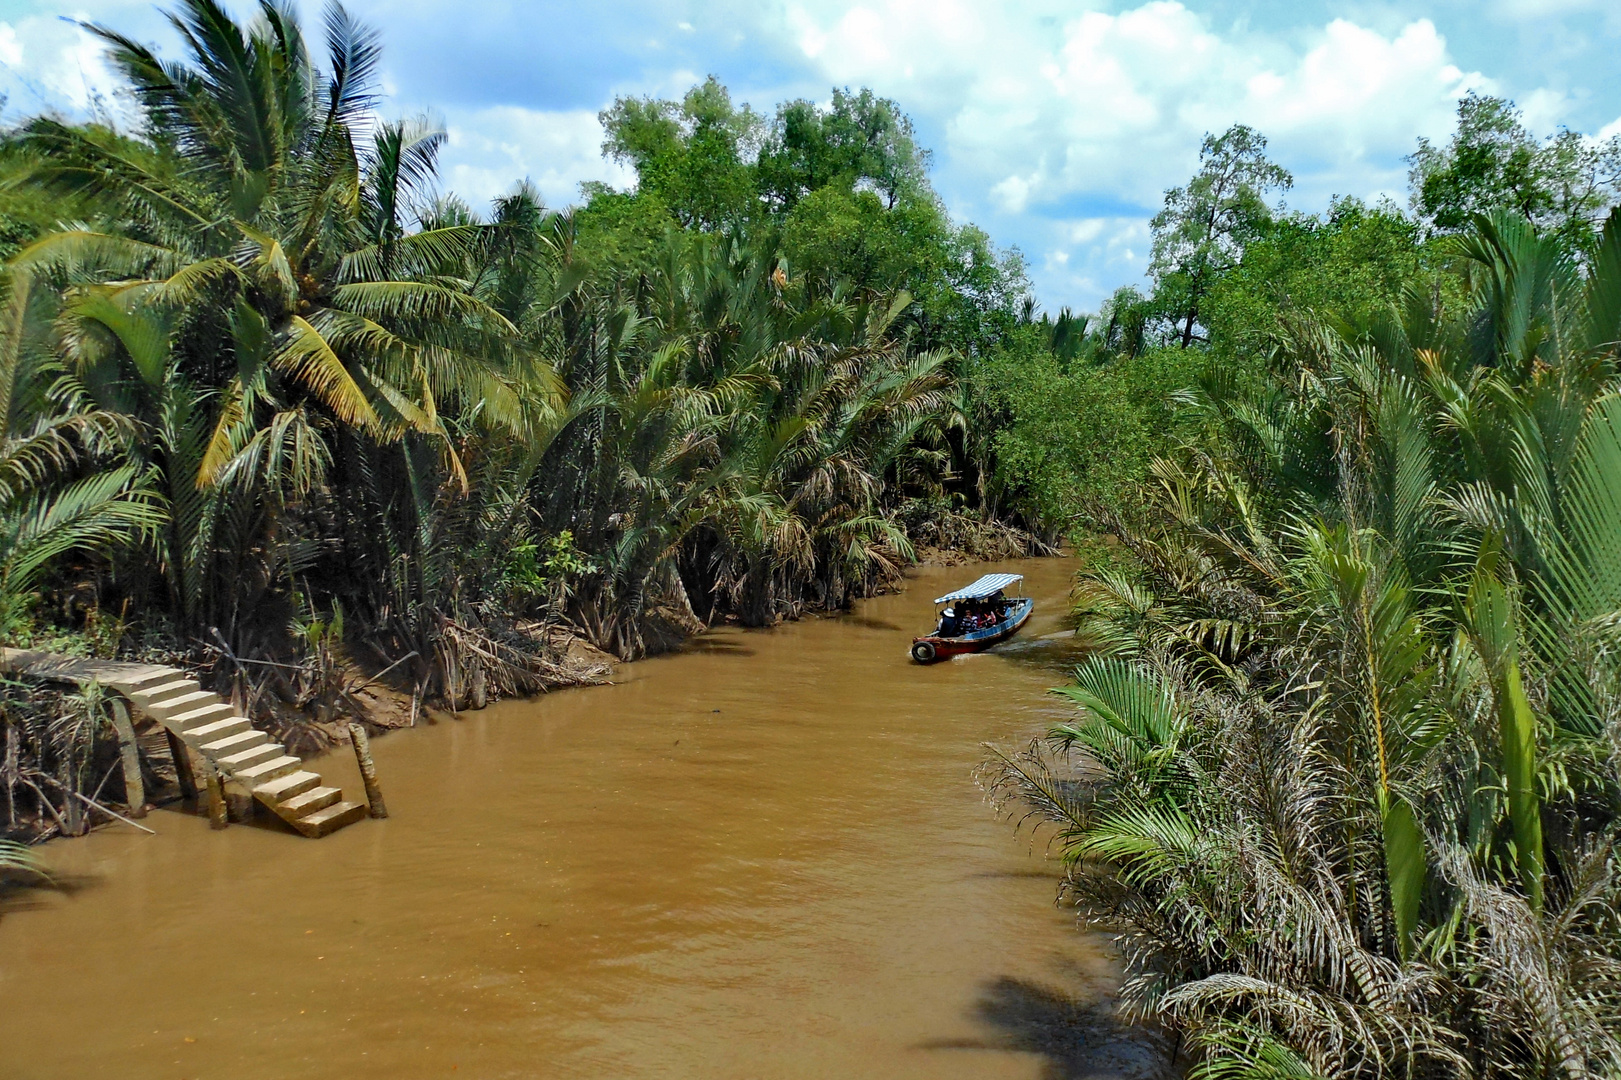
[[980, 617]]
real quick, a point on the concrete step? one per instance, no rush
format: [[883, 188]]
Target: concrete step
[[198, 717], [181, 704], [146, 681], [217, 730], [210, 726], [231, 744], [312, 800], [287, 785], [268, 770], [165, 690], [242, 759], [331, 819]]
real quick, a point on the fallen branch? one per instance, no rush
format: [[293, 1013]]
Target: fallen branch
[[88, 801], [357, 688], [225, 650], [48, 804]]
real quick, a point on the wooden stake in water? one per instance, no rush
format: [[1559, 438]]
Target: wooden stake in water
[[218, 814], [368, 771], [134, 786]]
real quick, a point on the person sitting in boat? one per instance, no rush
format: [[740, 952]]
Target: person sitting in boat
[[949, 623], [989, 614], [983, 617]]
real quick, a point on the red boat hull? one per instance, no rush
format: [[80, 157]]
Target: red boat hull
[[933, 647]]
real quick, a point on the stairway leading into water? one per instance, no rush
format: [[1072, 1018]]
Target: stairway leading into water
[[212, 729]]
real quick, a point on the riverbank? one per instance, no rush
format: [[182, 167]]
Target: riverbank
[[761, 855], [307, 703]]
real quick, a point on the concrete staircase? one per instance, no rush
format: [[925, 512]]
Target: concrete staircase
[[211, 728]]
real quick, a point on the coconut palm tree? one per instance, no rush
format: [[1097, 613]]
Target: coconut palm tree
[[258, 290], [62, 489]]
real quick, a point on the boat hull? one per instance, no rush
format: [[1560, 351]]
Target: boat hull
[[934, 647]]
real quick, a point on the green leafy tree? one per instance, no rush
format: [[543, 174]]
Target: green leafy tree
[[694, 156], [1348, 787], [860, 141], [1565, 183], [1204, 226], [254, 291], [1351, 264]]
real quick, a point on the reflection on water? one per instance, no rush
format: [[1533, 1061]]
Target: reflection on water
[[763, 857]]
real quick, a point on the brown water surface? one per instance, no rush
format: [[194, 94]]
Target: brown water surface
[[763, 857]]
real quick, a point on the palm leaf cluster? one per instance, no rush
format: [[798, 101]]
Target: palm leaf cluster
[[1344, 773], [275, 370], [737, 442]]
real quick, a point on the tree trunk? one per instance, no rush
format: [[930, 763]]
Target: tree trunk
[[9, 777]]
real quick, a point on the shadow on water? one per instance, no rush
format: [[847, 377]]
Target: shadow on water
[[1079, 1039], [714, 645], [876, 624], [19, 892], [1036, 874]]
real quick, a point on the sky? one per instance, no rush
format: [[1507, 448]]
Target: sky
[[1056, 127]]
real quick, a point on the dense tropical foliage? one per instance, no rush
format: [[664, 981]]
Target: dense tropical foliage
[[267, 353], [1345, 769], [270, 394], [1344, 775]]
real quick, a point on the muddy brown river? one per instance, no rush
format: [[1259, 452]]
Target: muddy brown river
[[763, 857]]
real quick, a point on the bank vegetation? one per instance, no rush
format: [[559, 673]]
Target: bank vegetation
[[276, 406], [1344, 773]]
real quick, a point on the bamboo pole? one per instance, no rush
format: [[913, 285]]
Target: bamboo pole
[[368, 771], [129, 752], [183, 773], [218, 815]]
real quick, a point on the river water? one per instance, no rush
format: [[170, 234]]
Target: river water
[[763, 857]]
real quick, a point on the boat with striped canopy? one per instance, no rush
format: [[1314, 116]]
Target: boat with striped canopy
[[980, 615]]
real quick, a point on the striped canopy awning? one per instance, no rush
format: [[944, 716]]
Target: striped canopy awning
[[989, 585]]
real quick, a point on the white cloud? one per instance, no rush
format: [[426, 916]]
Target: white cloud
[[52, 65], [1013, 193], [1056, 124], [1543, 109], [11, 50], [1042, 109], [1120, 242], [1045, 110], [1085, 259], [491, 149]]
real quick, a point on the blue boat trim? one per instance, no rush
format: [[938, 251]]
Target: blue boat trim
[[1016, 614]]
